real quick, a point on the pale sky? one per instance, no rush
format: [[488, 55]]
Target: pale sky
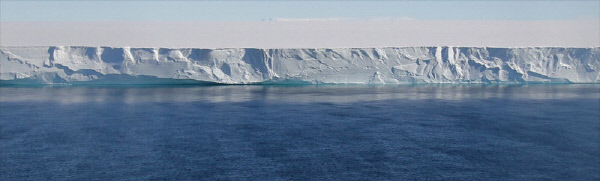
[[300, 24], [157, 10]]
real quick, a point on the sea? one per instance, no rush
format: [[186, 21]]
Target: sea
[[300, 132]]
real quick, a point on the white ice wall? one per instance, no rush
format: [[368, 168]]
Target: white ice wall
[[339, 65]]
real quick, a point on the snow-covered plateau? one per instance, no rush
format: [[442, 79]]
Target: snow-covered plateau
[[391, 65]]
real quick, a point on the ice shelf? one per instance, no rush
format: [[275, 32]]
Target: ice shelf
[[389, 65]]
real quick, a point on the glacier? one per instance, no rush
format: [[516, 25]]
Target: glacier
[[388, 65]]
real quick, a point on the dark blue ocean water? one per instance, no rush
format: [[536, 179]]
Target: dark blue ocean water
[[420, 132]]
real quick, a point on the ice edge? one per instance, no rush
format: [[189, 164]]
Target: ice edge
[[384, 65]]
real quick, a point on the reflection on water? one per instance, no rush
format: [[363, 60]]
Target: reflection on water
[[300, 94], [420, 132]]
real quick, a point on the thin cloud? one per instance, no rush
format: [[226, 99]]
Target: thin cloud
[[404, 18]]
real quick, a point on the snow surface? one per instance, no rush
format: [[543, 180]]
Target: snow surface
[[393, 65], [304, 34]]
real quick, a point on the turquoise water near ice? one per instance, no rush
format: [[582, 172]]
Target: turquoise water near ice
[[304, 132]]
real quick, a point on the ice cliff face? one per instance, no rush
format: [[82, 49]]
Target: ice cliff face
[[64, 64]]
